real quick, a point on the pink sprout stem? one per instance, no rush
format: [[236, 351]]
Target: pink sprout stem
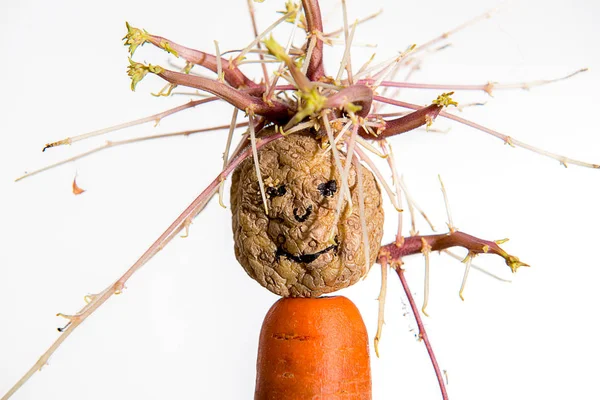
[[275, 111], [422, 332], [231, 72], [314, 23]]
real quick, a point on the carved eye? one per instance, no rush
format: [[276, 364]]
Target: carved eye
[[276, 192], [327, 189]]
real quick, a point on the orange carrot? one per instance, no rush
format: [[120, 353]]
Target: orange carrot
[[313, 349]]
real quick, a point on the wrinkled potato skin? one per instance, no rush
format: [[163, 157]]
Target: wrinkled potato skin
[[297, 162]]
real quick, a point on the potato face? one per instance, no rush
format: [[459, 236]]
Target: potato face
[[298, 249]]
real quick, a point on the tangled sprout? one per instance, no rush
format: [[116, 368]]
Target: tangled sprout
[[306, 196]]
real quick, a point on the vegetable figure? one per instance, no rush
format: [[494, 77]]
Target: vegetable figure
[[338, 108]]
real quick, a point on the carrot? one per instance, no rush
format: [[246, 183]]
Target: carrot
[[313, 348]]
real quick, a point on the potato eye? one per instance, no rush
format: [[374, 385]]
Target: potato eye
[[328, 188], [276, 192]]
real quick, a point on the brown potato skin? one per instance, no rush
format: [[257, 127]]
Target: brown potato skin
[[313, 349], [273, 248]]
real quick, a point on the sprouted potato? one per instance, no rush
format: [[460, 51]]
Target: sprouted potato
[[194, 302], [301, 247]]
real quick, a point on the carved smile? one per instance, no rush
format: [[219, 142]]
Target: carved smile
[[305, 258]]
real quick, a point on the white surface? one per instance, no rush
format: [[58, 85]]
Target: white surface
[[187, 325]]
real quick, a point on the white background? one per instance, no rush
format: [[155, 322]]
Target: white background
[[187, 325]]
